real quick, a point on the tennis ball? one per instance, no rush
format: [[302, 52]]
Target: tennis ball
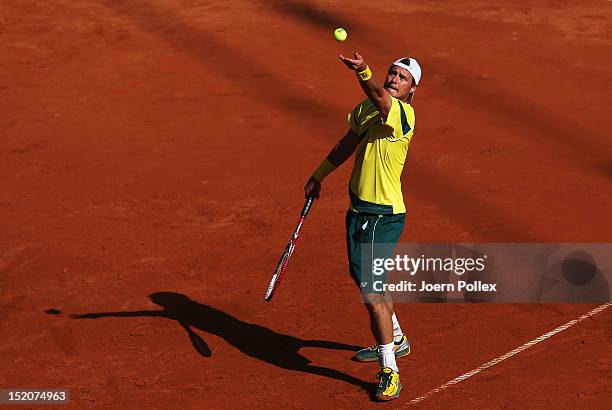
[[340, 34]]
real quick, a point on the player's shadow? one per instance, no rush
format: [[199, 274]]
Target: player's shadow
[[253, 340]]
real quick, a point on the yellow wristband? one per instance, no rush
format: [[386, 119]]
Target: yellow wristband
[[324, 169], [365, 75]]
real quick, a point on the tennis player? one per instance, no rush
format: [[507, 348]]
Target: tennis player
[[380, 130]]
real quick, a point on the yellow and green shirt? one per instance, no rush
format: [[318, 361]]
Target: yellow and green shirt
[[375, 185]]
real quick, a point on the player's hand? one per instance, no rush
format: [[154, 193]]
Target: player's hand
[[356, 63], [312, 188]]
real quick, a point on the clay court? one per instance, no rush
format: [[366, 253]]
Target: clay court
[[152, 166]]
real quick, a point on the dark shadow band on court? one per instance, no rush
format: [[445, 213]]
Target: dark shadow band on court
[[253, 340]]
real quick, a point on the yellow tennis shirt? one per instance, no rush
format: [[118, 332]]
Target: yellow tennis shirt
[[375, 185]]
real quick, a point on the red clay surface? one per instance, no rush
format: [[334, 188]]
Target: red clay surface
[[162, 146]]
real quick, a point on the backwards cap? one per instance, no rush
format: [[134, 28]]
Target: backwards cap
[[412, 66]]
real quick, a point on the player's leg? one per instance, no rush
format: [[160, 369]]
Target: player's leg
[[363, 232], [397, 329], [387, 232], [390, 231], [358, 232], [382, 328], [362, 229], [402, 346], [389, 386], [380, 318]]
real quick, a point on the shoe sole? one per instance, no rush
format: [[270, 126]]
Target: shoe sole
[[389, 398], [397, 356]]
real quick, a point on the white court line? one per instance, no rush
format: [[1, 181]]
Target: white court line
[[510, 353]]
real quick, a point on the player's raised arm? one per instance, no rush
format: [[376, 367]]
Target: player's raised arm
[[372, 88]]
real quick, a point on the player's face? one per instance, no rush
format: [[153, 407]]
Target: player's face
[[399, 82]]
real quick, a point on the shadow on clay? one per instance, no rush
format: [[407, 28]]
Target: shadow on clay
[[253, 340]]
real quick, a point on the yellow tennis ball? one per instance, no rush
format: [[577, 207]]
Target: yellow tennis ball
[[340, 34]]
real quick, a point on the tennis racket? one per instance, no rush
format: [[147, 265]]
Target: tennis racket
[[281, 267]]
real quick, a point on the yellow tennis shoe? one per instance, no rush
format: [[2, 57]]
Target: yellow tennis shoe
[[389, 386]]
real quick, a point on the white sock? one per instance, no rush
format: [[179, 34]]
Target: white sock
[[397, 330], [387, 356]]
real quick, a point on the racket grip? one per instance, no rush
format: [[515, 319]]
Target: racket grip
[[307, 206]]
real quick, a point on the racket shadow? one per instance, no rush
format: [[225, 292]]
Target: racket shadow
[[253, 340]]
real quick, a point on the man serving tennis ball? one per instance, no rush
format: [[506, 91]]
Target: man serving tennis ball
[[380, 130]]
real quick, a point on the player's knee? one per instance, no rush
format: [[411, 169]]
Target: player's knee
[[376, 303]]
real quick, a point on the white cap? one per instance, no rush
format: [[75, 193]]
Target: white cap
[[412, 66]]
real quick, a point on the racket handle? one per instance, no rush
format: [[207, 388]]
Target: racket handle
[[307, 206]]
